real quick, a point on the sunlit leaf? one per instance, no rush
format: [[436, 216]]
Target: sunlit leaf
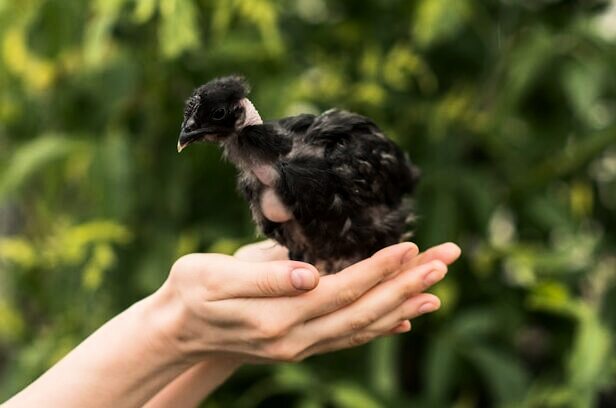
[[179, 31], [18, 251], [437, 20], [225, 246], [144, 10], [12, 326], [589, 362], [552, 296], [102, 258], [294, 377], [37, 73], [349, 395]]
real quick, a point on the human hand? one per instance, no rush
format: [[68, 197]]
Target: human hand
[[218, 305]]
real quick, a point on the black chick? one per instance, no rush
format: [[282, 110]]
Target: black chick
[[331, 188]]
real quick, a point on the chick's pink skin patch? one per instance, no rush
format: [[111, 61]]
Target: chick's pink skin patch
[[266, 174], [251, 115], [273, 209]]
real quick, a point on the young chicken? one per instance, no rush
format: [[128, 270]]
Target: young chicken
[[331, 188]]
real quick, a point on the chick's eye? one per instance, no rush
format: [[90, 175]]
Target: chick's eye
[[218, 114]]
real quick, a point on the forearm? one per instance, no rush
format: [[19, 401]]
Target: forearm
[[195, 384], [123, 364]]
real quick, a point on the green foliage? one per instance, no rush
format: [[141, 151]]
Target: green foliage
[[508, 106]]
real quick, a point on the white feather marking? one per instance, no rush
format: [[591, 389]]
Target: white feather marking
[[336, 202], [346, 227], [386, 157], [306, 150]]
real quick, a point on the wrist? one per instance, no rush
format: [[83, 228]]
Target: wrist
[[122, 364], [165, 317], [168, 319]]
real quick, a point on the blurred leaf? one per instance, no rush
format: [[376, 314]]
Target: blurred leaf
[[583, 81], [13, 325], [440, 364], [348, 395], [567, 160], [533, 50], [32, 157], [383, 365], [294, 377], [507, 107], [474, 323], [263, 14], [37, 73], [70, 244], [553, 297], [144, 10], [179, 31], [448, 291], [402, 65], [504, 374], [309, 403], [102, 258], [18, 251], [438, 20], [589, 363], [225, 246]]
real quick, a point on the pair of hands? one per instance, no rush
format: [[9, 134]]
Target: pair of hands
[[258, 306], [216, 312]]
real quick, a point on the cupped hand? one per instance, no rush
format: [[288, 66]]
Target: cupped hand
[[272, 309]]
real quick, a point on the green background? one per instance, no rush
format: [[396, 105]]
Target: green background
[[509, 108]]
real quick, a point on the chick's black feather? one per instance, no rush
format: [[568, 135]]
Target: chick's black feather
[[344, 184]]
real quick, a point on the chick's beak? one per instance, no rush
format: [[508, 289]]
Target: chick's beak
[[188, 134], [183, 141]]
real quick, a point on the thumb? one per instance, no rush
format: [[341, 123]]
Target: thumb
[[267, 250], [233, 278]]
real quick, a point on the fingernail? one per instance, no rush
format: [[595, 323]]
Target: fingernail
[[433, 276], [303, 279], [427, 308], [453, 248]]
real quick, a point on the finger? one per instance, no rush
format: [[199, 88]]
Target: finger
[[412, 308], [402, 327], [263, 251], [338, 290], [379, 302], [226, 277], [354, 340], [446, 253], [350, 341]]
